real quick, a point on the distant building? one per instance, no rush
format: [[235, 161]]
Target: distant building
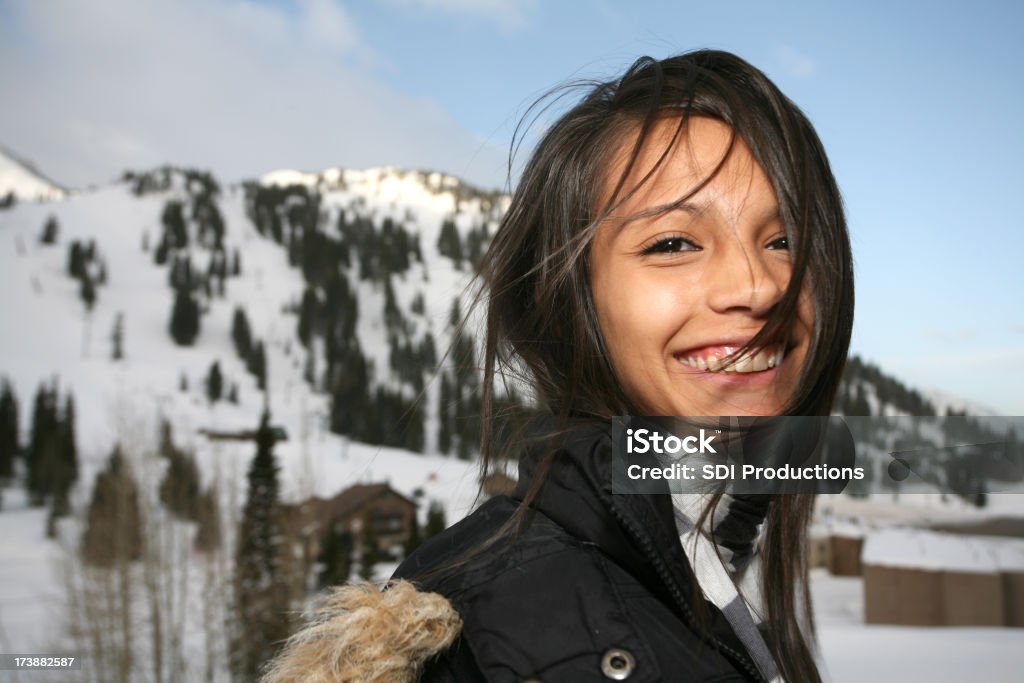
[[390, 513], [845, 543], [817, 547], [835, 544], [914, 577]]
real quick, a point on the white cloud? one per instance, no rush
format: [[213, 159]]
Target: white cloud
[[327, 24], [794, 62], [508, 14], [240, 87]]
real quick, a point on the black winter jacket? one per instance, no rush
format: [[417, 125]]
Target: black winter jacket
[[596, 588]]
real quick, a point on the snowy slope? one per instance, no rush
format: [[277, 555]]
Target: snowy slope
[[55, 337], [24, 182], [47, 333]]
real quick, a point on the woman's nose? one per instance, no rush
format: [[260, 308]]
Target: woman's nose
[[746, 278]]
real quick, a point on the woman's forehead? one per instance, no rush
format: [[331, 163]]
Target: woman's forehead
[[674, 161]]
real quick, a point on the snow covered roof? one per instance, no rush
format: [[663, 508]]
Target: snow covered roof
[[929, 550], [845, 528]]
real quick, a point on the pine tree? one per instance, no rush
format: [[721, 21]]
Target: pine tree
[[418, 305], [307, 315], [449, 243], [180, 274], [261, 592], [455, 314], [445, 429], [436, 522], [415, 539], [370, 556], [233, 394], [117, 338], [9, 435], [393, 319], [859, 405], [87, 291], [51, 229], [180, 488], [184, 325], [241, 333], [309, 371], [236, 263], [214, 383], [335, 557], [173, 219], [76, 259], [257, 364], [208, 516], [66, 472], [60, 506], [161, 253], [183, 382], [44, 446], [113, 532]]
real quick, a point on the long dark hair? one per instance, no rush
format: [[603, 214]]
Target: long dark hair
[[541, 324]]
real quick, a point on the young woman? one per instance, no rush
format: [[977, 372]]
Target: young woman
[[676, 246]]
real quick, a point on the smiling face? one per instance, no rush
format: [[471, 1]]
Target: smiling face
[[677, 292]]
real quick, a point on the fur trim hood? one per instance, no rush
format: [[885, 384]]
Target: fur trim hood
[[366, 635]]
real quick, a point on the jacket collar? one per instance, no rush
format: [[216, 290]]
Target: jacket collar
[[636, 530]]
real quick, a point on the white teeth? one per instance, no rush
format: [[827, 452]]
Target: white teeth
[[759, 362]]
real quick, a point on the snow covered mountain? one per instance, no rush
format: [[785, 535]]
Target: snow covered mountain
[[253, 248], [19, 181], [54, 334], [348, 281], [127, 296]]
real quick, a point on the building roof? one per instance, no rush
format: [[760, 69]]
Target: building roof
[[357, 496]]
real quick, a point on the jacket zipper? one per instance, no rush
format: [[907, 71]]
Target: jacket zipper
[[669, 581]]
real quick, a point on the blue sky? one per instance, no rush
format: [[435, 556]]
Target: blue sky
[[919, 105]]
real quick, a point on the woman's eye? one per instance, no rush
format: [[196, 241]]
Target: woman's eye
[[671, 245], [780, 243]]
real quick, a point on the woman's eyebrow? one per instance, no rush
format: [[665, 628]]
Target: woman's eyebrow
[[683, 206]]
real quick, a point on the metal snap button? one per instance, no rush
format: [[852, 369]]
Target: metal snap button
[[617, 664]]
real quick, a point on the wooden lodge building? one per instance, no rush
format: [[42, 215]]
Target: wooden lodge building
[[391, 514], [915, 577]]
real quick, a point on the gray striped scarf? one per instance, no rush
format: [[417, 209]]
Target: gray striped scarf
[[732, 583]]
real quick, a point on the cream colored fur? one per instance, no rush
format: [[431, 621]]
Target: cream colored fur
[[365, 635]]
